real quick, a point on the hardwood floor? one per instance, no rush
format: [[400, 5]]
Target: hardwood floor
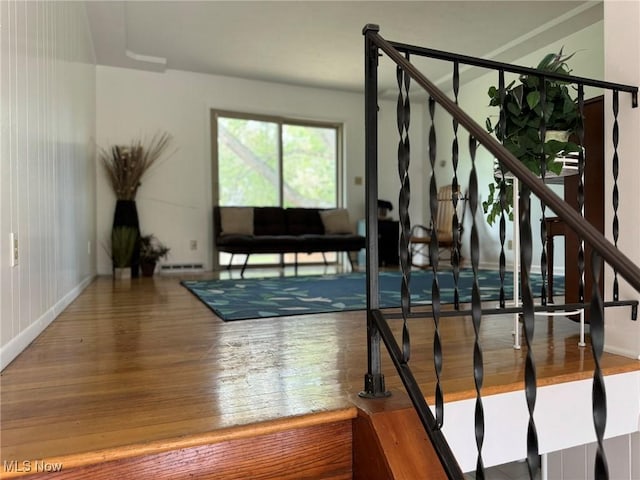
[[142, 367]]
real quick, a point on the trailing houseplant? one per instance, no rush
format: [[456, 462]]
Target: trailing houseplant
[[520, 133], [151, 250]]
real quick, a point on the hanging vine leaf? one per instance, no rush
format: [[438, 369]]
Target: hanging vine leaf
[[522, 120]]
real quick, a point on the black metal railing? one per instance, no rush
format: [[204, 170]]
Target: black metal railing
[[377, 320]]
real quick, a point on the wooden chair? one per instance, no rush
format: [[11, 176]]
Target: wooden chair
[[420, 238]]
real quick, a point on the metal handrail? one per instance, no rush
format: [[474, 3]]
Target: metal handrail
[[508, 67], [624, 265]]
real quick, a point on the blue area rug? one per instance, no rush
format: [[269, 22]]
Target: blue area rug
[[279, 296]]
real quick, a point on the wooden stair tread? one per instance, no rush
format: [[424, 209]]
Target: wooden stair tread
[[310, 441]]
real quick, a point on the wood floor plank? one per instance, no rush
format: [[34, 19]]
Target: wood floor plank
[[142, 366]]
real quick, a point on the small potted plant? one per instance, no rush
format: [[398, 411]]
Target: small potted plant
[[123, 244], [151, 250], [522, 119]]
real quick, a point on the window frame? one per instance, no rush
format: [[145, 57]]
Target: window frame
[[215, 114]]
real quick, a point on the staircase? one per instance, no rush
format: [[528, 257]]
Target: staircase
[[527, 306]]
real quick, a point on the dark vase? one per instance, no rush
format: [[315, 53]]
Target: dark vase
[[126, 215], [148, 268]]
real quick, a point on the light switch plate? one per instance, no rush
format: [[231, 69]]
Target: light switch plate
[[13, 242]]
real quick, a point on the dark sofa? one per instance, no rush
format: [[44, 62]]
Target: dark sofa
[[283, 230]]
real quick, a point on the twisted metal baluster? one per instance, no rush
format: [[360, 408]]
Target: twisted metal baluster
[[476, 309], [503, 192], [433, 258], [599, 395], [616, 195], [455, 222], [543, 207], [533, 456], [581, 162], [403, 115]]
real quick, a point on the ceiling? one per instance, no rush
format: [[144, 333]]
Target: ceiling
[[320, 43]]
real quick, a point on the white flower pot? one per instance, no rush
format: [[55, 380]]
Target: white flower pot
[[569, 161], [122, 273]]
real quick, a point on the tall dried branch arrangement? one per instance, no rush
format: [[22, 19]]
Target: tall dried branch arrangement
[[125, 165]]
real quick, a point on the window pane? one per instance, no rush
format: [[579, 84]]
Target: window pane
[[249, 152], [248, 162], [309, 166]]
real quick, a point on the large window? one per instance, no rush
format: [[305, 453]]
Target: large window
[[269, 161]]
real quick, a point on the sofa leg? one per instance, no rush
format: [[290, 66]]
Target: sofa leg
[[246, 260], [230, 262], [350, 261]]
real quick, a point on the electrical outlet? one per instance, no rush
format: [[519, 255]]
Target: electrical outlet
[[357, 181], [510, 245], [89, 247], [14, 249], [193, 244]]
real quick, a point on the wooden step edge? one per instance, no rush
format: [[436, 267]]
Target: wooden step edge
[[392, 444], [188, 441]]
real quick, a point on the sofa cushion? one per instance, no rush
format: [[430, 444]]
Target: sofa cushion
[[269, 221], [336, 221], [302, 221], [236, 220]]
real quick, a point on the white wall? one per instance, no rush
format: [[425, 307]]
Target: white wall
[[47, 174], [623, 458], [175, 201], [563, 417], [588, 62], [622, 53]]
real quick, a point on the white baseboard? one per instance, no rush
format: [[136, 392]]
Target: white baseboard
[[623, 352], [21, 341]]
